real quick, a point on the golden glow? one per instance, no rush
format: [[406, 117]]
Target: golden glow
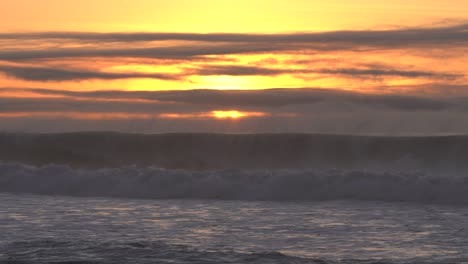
[[181, 116], [228, 114], [234, 114], [222, 16], [190, 79], [110, 116], [218, 114]]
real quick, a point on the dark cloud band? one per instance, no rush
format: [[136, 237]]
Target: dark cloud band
[[224, 44], [54, 74], [445, 34], [204, 100]]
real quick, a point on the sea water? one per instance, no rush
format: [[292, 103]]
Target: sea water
[[211, 198], [60, 229]]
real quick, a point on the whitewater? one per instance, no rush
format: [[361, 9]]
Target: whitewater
[[212, 198]]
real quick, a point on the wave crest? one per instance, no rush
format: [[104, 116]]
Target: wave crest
[[272, 185]]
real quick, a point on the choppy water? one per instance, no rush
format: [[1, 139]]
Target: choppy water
[[48, 229]]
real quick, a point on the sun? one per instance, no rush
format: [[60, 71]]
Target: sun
[[233, 114]]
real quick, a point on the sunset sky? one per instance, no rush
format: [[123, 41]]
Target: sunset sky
[[152, 66]]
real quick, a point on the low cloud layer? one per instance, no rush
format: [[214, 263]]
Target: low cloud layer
[[369, 81], [402, 36], [42, 74], [225, 44], [55, 74], [415, 55], [298, 101]]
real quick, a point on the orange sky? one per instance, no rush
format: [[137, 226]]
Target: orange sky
[[242, 16], [410, 48], [223, 15]]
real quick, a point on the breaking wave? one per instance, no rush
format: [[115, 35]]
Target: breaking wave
[[271, 185]]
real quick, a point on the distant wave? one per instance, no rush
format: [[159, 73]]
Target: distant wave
[[274, 185], [448, 154]]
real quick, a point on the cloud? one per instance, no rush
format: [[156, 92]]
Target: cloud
[[239, 70], [91, 105], [173, 52], [224, 44], [401, 36], [205, 100], [319, 54], [54, 74], [387, 72], [286, 110]]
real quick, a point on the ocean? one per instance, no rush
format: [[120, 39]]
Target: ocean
[[208, 198]]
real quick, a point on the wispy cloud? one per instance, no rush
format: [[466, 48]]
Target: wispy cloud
[[225, 44], [55, 74], [381, 61], [173, 52], [387, 72], [237, 70], [282, 110], [61, 74], [204, 100], [402, 36]]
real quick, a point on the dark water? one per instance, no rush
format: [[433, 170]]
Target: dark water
[[48, 229]]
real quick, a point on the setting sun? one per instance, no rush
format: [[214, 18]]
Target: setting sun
[[234, 114]]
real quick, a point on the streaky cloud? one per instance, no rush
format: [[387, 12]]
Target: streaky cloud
[[224, 43], [239, 70], [61, 74], [174, 52], [401, 36], [387, 72], [55, 74], [204, 100]]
